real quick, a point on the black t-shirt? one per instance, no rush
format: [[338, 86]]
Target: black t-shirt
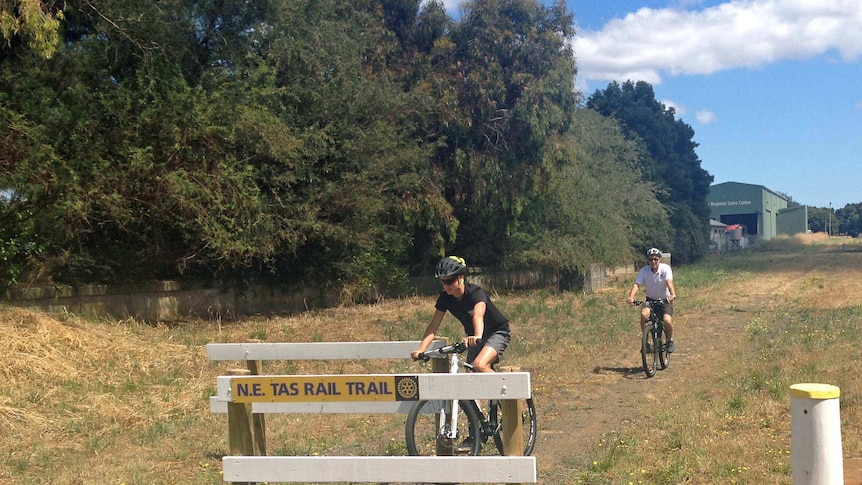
[[463, 310]]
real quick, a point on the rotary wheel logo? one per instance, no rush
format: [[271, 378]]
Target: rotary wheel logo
[[407, 388]]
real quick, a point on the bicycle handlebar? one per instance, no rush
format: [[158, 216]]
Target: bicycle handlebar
[[456, 348], [663, 301]]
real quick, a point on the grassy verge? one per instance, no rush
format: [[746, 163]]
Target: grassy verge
[[734, 426]]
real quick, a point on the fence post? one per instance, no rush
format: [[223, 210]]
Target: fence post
[[815, 440], [240, 427], [513, 428], [259, 420]]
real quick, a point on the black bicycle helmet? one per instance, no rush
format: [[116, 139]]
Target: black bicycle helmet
[[450, 266], [653, 252]]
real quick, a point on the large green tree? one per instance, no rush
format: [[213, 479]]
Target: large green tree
[[849, 219], [594, 206], [503, 81], [673, 165], [846, 220], [348, 169], [115, 137]]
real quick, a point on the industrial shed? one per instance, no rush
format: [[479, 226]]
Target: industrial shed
[[762, 213]]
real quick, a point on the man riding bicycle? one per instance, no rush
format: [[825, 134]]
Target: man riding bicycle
[[657, 278]]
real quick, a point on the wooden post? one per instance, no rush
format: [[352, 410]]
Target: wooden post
[[259, 420], [513, 427], [240, 428]]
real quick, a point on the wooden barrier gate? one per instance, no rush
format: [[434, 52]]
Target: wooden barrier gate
[[247, 397]]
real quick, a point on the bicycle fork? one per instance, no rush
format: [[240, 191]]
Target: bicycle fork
[[493, 423], [450, 430]]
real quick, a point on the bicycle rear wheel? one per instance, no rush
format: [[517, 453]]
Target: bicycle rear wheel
[[529, 426], [649, 352], [426, 436]]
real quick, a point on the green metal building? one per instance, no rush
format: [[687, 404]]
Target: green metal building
[[762, 213]]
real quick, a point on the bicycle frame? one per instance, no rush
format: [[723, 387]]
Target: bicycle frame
[[451, 407], [655, 357], [656, 317], [447, 418]]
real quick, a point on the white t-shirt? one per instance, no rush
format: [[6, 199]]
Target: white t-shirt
[[655, 283]]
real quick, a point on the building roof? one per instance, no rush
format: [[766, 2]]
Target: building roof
[[752, 185]]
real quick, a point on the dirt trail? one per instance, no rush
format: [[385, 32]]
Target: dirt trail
[[612, 395]]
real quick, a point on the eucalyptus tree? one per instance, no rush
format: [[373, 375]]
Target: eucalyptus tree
[[503, 80], [336, 134], [594, 206]]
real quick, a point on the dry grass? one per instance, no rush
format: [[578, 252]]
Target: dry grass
[[121, 402], [777, 318]]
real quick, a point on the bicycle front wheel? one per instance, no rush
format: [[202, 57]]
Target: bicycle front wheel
[[529, 427], [428, 426], [495, 428], [649, 351]]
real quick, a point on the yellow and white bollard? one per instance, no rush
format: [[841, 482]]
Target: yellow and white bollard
[[815, 442]]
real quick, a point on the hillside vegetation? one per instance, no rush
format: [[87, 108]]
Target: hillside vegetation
[[126, 403]]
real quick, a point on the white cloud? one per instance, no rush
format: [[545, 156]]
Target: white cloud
[[650, 43], [449, 5], [677, 108], [706, 116]]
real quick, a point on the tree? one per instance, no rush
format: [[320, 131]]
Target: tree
[[220, 139], [503, 83], [348, 142], [672, 165], [108, 140], [849, 219], [594, 206], [29, 25], [818, 219]]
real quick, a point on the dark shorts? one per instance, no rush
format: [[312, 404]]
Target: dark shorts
[[668, 308], [497, 341]]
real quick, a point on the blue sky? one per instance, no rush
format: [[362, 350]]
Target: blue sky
[[772, 88]]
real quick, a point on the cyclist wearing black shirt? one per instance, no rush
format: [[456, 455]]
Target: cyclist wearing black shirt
[[487, 329]]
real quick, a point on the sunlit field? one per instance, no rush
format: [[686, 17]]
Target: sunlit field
[[121, 402]]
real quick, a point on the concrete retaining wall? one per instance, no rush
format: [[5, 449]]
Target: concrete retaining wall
[[165, 301]]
